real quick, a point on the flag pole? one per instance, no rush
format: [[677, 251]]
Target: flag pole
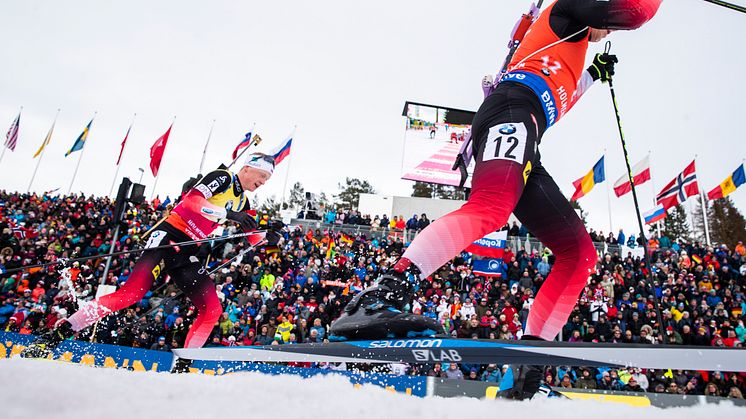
[[204, 152], [159, 168], [287, 173], [6, 140], [608, 196], [80, 158], [116, 173], [704, 214], [253, 142], [43, 149]]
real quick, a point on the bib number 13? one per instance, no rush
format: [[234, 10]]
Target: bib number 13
[[506, 142]]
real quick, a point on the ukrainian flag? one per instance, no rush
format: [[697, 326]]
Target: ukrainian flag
[[736, 179], [587, 182], [80, 142]]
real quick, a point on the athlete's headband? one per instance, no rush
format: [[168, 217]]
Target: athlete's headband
[[261, 162]]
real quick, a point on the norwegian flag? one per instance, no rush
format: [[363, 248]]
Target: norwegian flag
[[11, 138], [679, 189]]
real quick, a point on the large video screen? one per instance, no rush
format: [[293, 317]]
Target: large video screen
[[434, 135]]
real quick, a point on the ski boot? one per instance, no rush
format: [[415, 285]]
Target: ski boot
[[378, 311], [521, 382], [45, 343], [181, 366]]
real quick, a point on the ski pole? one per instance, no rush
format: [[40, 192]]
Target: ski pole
[[649, 275], [727, 5], [239, 254], [124, 252]]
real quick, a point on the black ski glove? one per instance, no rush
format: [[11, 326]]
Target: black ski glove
[[274, 234], [602, 67], [247, 222]]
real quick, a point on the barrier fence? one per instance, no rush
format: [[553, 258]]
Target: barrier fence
[[136, 359]]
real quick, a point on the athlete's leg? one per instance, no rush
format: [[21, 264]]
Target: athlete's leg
[[132, 291], [199, 288], [547, 215], [505, 152]]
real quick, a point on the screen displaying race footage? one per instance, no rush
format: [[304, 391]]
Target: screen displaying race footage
[[434, 135]]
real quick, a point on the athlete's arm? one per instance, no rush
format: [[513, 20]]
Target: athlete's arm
[[571, 16], [213, 183]]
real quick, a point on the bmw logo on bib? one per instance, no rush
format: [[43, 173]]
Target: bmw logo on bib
[[507, 129]]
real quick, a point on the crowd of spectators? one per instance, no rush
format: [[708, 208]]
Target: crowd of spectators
[[292, 293]]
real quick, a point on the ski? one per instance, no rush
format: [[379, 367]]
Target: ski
[[431, 350]]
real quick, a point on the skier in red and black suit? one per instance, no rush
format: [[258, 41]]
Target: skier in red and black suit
[[216, 198], [545, 78]]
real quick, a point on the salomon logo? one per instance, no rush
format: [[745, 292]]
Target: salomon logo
[[414, 343]]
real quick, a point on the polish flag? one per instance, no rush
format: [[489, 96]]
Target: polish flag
[[640, 173]]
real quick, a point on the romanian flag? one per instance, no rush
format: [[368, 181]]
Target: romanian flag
[[283, 150], [346, 239], [736, 179], [587, 182], [80, 142]]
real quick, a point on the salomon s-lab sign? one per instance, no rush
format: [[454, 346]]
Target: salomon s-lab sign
[[436, 355]]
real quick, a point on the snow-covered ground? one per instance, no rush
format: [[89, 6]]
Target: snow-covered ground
[[42, 389]]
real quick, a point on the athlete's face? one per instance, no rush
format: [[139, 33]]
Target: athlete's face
[[595, 35], [252, 178]]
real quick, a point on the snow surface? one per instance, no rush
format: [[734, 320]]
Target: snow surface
[[44, 389]]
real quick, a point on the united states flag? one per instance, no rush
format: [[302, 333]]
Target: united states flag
[[11, 138], [679, 189]]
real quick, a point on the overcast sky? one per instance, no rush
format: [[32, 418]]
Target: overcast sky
[[341, 71]]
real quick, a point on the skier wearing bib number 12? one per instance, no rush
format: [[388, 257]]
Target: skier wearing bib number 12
[[545, 78], [216, 198]]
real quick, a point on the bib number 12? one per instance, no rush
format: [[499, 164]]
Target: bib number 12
[[506, 142]]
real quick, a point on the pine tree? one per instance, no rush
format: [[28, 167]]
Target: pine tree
[[349, 194], [450, 192], [270, 207], [727, 224], [297, 196], [698, 222], [583, 215], [422, 190], [675, 225]]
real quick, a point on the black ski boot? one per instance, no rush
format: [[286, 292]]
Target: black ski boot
[[527, 379], [378, 313], [45, 343], [181, 366], [526, 382]]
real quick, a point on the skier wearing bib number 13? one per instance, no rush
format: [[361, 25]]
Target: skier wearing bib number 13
[[545, 78]]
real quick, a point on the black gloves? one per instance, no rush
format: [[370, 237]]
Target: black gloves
[[246, 221], [274, 235], [602, 67]]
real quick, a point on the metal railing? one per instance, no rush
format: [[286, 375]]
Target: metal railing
[[514, 242]]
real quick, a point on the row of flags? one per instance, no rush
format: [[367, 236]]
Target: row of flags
[[678, 190], [156, 150]]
